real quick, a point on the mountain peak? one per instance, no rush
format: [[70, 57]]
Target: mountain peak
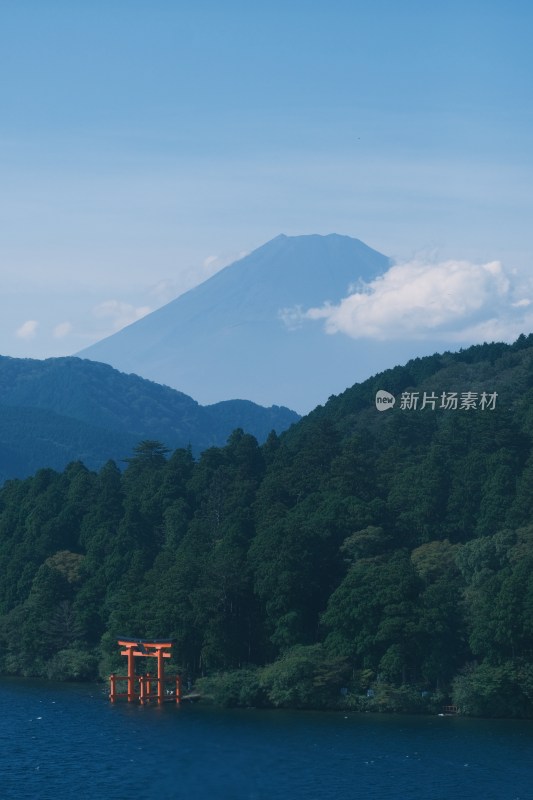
[[226, 338]]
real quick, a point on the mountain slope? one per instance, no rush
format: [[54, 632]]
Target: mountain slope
[[226, 338], [390, 551], [63, 409]]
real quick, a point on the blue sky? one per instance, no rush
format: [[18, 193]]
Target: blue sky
[[143, 145]]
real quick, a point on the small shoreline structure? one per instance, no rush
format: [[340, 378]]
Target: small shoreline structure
[[449, 711], [145, 687]]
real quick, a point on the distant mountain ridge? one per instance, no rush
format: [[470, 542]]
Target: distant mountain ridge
[[227, 337], [64, 409]]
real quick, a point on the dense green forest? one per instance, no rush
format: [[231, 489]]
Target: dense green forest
[[362, 559]]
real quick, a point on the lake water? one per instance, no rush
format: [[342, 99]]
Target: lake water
[[68, 741]]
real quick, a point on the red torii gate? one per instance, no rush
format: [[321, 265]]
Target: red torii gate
[[145, 649]]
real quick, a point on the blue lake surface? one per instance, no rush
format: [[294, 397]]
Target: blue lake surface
[[68, 741]]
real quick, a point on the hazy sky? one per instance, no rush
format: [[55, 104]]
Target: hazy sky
[[145, 144]]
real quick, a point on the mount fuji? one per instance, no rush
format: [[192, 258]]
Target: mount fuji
[[232, 337]]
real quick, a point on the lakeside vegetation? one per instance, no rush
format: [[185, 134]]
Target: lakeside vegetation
[[365, 560]]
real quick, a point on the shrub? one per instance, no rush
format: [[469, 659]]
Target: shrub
[[239, 688], [72, 664]]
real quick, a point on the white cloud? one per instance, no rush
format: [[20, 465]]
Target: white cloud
[[292, 318], [62, 330], [27, 330], [121, 314], [494, 330], [458, 300]]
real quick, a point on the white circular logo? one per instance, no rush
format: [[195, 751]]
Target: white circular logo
[[384, 400]]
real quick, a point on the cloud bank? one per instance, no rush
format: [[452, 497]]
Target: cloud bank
[[454, 300]]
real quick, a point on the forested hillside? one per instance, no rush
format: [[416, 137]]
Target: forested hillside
[[68, 409], [363, 559]]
